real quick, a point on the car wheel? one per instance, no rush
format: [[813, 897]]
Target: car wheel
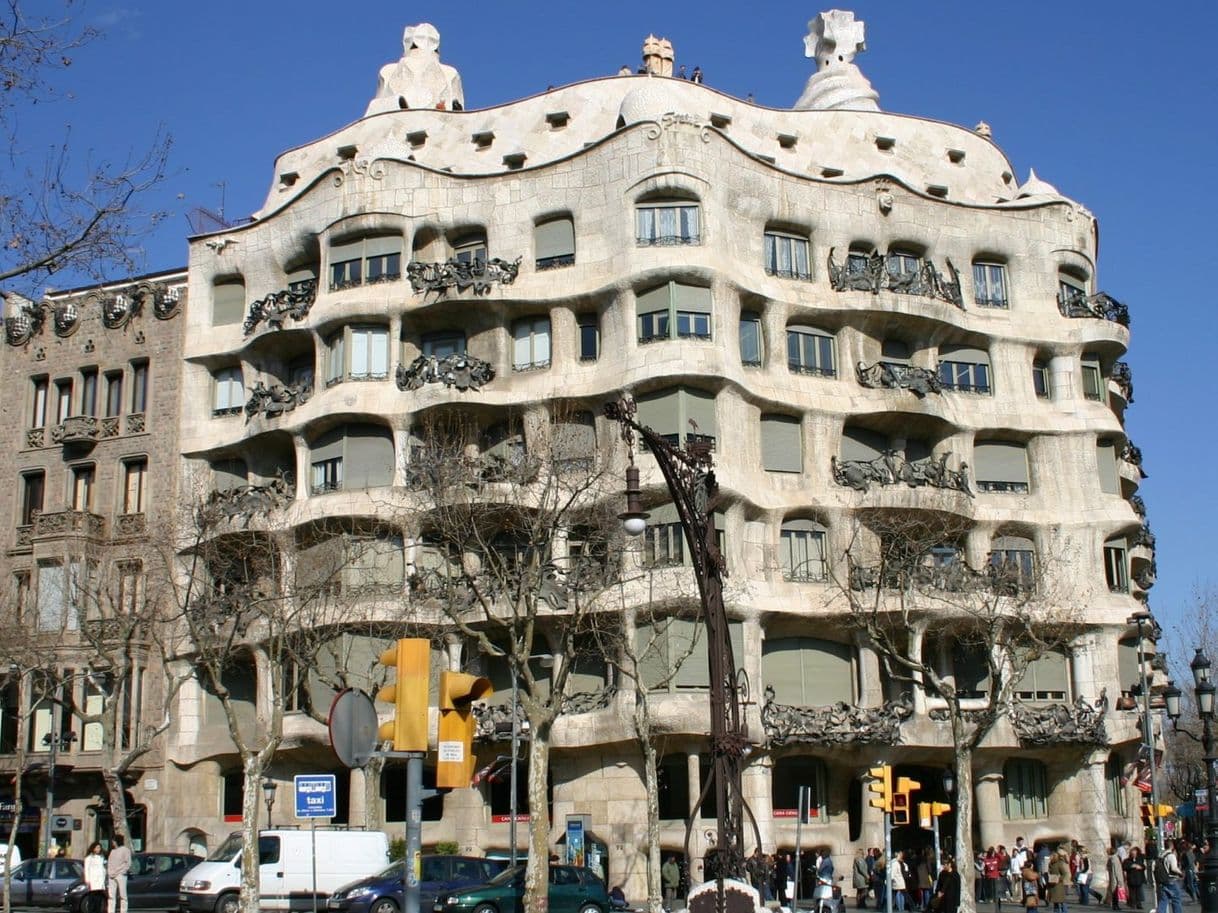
[[384, 905], [485, 908], [228, 903]]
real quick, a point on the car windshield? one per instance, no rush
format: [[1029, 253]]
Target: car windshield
[[395, 869], [507, 876], [227, 850]]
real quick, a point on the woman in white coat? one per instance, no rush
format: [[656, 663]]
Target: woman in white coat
[[95, 879]]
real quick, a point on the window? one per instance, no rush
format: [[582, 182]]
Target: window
[[1000, 466], [300, 279], [531, 343], [139, 386], [130, 585], [38, 407], [801, 551], [443, 343], [990, 285], [351, 457], [589, 337], [88, 392], [786, 256], [789, 776], [82, 487], [664, 543], [672, 653], [970, 662], [808, 672], [229, 391], [1106, 467], [365, 260], [63, 401], [680, 415], [750, 339], [554, 243], [781, 443], [1047, 678], [114, 393], [903, 268], [33, 491], [1129, 664], [1072, 296], [228, 474], [664, 223], [227, 304], [327, 475], [1025, 792], [685, 309], [573, 439], [1040, 380], [59, 595], [858, 262], [471, 248], [1093, 377], [1116, 565], [964, 369], [135, 480], [1013, 563], [1114, 779], [810, 351], [358, 353], [672, 778]]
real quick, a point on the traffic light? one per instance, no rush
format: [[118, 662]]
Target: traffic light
[[930, 810], [881, 785], [1149, 817], [411, 656], [900, 799], [455, 756]]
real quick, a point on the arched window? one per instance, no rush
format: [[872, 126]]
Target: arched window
[[661, 223], [801, 551], [1013, 563], [1025, 790], [786, 255], [365, 260], [554, 243], [808, 672], [990, 284]]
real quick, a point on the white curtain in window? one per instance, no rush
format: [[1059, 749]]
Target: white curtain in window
[[52, 596]]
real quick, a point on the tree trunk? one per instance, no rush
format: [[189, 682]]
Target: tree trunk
[[373, 813], [651, 782], [537, 871], [118, 801], [964, 810], [251, 796]]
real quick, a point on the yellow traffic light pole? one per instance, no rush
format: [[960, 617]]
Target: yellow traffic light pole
[[893, 799]]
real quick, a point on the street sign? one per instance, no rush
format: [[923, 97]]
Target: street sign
[[315, 796], [353, 727]]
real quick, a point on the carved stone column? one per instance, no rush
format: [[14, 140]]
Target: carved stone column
[[1062, 372], [987, 794], [303, 463], [758, 789], [1083, 667], [357, 798], [1093, 799], [871, 687], [916, 642]]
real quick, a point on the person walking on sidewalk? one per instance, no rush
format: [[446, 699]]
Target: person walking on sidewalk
[[1116, 879], [118, 865]]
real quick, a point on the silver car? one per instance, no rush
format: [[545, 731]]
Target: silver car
[[43, 882]]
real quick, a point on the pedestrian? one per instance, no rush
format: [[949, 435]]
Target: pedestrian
[[1058, 878], [1117, 891], [681, 73], [946, 898], [670, 876], [1004, 872], [782, 873], [1082, 875], [117, 867], [898, 881], [860, 877], [697, 75], [1135, 878], [95, 880], [617, 898], [879, 878], [1029, 882], [1188, 865], [1168, 877]]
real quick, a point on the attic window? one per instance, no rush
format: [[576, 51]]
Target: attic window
[[720, 121], [417, 138], [289, 178], [1006, 177], [484, 139], [514, 160], [937, 190], [955, 156], [787, 140], [557, 119], [884, 143], [827, 172], [346, 153]]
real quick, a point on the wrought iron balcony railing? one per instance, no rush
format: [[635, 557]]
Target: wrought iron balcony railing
[[891, 468], [877, 272], [295, 301], [478, 275], [889, 375], [1074, 302], [836, 724]]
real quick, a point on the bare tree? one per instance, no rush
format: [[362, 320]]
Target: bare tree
[[1185, 766], [906, 579], [518, 549], [59, 213]]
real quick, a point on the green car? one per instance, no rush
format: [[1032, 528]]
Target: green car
[[572, 890]]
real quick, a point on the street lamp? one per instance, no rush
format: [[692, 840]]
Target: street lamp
[[268, 796], [547, 662], [1204, 690], [1143, 620], [690, 476]]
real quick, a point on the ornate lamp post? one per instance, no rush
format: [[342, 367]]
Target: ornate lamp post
[[1204, 690], [268, 796], [689, 473], [1143, 620]]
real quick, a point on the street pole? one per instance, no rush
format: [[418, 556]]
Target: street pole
[[515, 752], [414, 832], [53, 735], [1209, 870], [799, 822], [934, 819], [1148, 736], [888, 862]]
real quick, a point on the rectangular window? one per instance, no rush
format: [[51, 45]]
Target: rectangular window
[[63, 401], [589, 337], [685, 308], [1116, 566], [139, 386], [114, 393], [38, 408], [130, 586], [369, 353], [327, 475], [1072, 298], [781, 443], [135, 480], [442, 345], [82, 487], [903, 268], [33, 490], [990, 285], [471, 250], [750, 339], [229, 391], [554, 243], [336, 359], [52, 595], [227, 304], [810, 351], [786, 256], [1024, 790], [664, 545], [964, 377], [1093, 379], [88, 392], [1015, 566], [663, 224], [653, 326], [1040, 380], [346, 272], [531, 344], [802, 555], [383, 259]]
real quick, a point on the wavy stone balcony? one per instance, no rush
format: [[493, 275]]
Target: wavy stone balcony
[[68, 523], [76, 430]]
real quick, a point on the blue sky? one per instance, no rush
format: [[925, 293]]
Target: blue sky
[[1110, 101]]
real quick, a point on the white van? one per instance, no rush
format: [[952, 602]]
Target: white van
[[4, 852], [285, 869]]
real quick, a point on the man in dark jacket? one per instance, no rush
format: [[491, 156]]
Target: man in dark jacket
[[947, 888]]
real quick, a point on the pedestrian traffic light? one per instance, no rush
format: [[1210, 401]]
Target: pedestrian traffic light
[[881, 785], [1149, 815], [900, 799], [455, 756], [411, 656]]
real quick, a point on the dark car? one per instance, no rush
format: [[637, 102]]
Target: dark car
[[43, 882], [573, 889], [382, 892], [152, 883]]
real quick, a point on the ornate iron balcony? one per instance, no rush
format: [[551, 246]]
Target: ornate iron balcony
[[1074, 302], [1079, 723], [478, 275], [276, 399], [888, 375], [1018, 488], [875, 273], [247, 501], [461, 371], [295, 301], [668, 240], [1122, 376], [891, 468], [562, 260], [836, 724]]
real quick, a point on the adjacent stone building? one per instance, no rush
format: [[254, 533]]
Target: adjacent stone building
[[862, 311]]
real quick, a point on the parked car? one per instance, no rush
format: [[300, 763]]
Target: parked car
[[14, 856], [152, 883], [572, 890], [44, 881], [382, 892]]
